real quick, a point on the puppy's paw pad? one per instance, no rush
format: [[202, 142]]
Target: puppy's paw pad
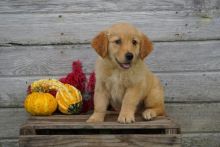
[[149, 114], [126, 119]]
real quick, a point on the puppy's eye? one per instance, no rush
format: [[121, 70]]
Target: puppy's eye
[[118, 41], [134, 42]]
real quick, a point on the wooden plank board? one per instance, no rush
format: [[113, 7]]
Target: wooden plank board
[[78, 122], [191, 87], [33, 6], [196, 118], [100, 140], [188, 140], [44, 60], [201, 140], [57, 60], [179, 87], [66, 28], [9, 142], [13, 118]]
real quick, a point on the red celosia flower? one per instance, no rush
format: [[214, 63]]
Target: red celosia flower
[[77, 77], [91, 83], [88, 96]]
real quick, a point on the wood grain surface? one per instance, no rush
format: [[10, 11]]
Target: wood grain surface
[[191, 56], [68, 28], [80, 6], [100, 140]]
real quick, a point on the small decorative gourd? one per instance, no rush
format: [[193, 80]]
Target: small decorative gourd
[[69, 100], [45, 85], [38, 103]]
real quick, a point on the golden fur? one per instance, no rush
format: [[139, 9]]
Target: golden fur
[[119, 83]]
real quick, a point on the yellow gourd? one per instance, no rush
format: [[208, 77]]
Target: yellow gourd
[[38, 103], [69, 100], [45, 85]]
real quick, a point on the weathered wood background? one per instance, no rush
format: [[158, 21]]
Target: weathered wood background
[[40, 38]]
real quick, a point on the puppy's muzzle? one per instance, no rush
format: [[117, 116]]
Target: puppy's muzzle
[[128, 58]]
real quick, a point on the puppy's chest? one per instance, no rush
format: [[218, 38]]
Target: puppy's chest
[[117, 85]]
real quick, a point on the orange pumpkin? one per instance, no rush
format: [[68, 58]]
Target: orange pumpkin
[[38, 103]]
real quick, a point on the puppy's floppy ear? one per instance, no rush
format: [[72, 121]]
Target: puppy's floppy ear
[[146, 46], [100, 44]]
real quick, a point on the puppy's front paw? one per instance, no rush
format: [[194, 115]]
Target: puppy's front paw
[[95, 118], [149, 114], [126, 118]]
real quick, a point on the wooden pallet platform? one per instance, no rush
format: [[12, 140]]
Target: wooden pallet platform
[[73, 131]]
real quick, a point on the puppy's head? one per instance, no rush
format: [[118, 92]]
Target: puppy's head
[[123, 44]]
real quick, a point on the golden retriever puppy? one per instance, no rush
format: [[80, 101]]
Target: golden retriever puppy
[[122, 78]]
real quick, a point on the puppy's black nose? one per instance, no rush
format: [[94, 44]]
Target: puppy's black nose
[[129, 56]]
